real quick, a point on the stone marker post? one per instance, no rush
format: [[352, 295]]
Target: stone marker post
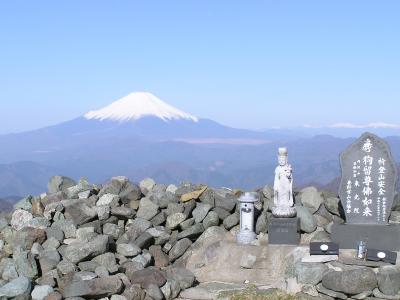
[[246, 234]]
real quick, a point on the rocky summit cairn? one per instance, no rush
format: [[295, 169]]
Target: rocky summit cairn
[[126, 241]]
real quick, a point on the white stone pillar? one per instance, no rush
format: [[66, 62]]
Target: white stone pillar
[[246, 234]]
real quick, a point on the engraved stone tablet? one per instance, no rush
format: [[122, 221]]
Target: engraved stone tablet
[[283, 231], [368, 182]]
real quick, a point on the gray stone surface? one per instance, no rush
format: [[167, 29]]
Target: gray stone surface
[[20, 219], [59, 183], [148, 276], [211, 219], [378, 294], [262, 223], [310, 273], [389, 280], [231, 221], [25, 204], [25, 263], [154, 292], [147, 209], [311, 198], [48, 260], [225, 199], [350, 281], [200, 212], [170, 289], [128, 250], [146, 185], [222, 213], [79, 251], [93, 288], [308, 223], [332, 205], [183, 276], [175, 219], [108, 200], [41, 291], [192, 232], [16, 287], [179, 249], [331, 293], [78, 212], [248, 260], [394, 217], [367, 158]]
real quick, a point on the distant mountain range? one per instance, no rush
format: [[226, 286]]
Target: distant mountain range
[[141, 136]]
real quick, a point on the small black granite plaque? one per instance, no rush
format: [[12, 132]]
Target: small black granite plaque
[[382, 255], [324, 248], [283, 231]]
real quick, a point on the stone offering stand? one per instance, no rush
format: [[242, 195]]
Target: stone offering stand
[[151, 241]]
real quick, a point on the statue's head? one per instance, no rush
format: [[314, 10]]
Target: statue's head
[[282, 156]]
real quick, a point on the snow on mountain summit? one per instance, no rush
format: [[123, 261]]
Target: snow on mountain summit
[[138, 105]]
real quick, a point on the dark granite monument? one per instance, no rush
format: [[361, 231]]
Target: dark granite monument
[[366, 192]]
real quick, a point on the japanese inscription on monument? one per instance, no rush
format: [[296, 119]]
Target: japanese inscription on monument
[[368, 183]]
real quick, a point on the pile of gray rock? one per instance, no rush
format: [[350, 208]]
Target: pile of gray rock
[[119, 240], [132, 241]]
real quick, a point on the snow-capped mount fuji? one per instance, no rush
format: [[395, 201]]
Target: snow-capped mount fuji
[[136, 118], [136, 106]]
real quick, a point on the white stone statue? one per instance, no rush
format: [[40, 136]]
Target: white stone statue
[[283, 187]]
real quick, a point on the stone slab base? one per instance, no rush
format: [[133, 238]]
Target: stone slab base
[[383, 237]]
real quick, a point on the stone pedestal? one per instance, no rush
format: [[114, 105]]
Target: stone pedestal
[[384, 237], [283, 231]]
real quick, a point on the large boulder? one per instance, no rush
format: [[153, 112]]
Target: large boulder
[[211, 219], [311, 198], [147, 209], [40, 292], [78, 212], [350, 282], [183, 276], [148, 276], [179, 249], [200, 212], [94, 288], [310, 273], [389, 280], [175, 219], [60, 183], [225, 199], [25, 263], [79, 251], [16, 287], [231, 221], [308, 223], [121, 186], [20, 219], [146, 185], [332, 205]]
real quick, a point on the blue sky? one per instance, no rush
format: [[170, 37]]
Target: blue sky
[[250, 64]]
